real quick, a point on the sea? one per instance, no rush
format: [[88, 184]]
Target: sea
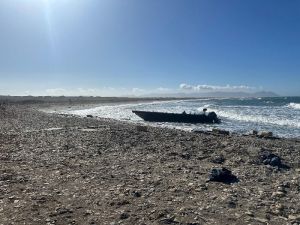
[[281, 115]]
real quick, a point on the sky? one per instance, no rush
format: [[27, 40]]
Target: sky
[[135, 47]]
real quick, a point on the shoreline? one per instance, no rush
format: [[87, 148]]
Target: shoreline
[[104, 171], [65, 110]]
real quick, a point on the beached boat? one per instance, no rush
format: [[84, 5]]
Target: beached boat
[[177, 117]]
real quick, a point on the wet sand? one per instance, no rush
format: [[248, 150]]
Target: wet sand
[[58, 169]]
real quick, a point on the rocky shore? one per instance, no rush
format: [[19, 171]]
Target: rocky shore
[[58, 169]]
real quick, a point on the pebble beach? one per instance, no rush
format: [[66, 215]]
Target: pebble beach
[[65, 169]]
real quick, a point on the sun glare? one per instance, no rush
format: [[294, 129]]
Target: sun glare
[[48, 19]]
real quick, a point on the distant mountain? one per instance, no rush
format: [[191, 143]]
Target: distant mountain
[[265, 94], [216, 95]]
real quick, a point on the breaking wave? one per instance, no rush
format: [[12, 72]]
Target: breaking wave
[[294, 105], [255, 118]]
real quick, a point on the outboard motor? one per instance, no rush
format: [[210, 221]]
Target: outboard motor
[[213, 117]]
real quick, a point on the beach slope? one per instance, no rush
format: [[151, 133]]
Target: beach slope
[[58, 169]]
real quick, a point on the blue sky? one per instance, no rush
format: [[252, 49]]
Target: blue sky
[[110, 47]]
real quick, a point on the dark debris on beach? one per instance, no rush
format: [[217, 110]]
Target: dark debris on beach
[[58, 169]]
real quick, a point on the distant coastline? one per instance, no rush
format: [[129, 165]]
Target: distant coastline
[[71, 100], [150, 97]]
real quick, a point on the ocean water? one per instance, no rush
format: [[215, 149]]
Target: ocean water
[[281, 115]]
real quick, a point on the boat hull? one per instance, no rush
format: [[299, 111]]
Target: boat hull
[[175, 117]]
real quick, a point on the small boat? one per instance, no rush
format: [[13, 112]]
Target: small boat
[[177, 117]]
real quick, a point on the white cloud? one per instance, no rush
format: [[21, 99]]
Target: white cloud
[[186, 87], [137, 90], [121, 91], [163, 90], [205, 87], [56, 91], [88, 91]]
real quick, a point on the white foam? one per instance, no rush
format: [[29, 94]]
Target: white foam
[[207, 106], [255, 118], [294, 105]]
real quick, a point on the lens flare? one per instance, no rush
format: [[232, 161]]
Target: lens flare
[[49, 23]]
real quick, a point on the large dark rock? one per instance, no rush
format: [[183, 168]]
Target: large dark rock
[[222, 175], [265, 134], [213, 116], [268, 158], [219, 159], [124, 216]]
